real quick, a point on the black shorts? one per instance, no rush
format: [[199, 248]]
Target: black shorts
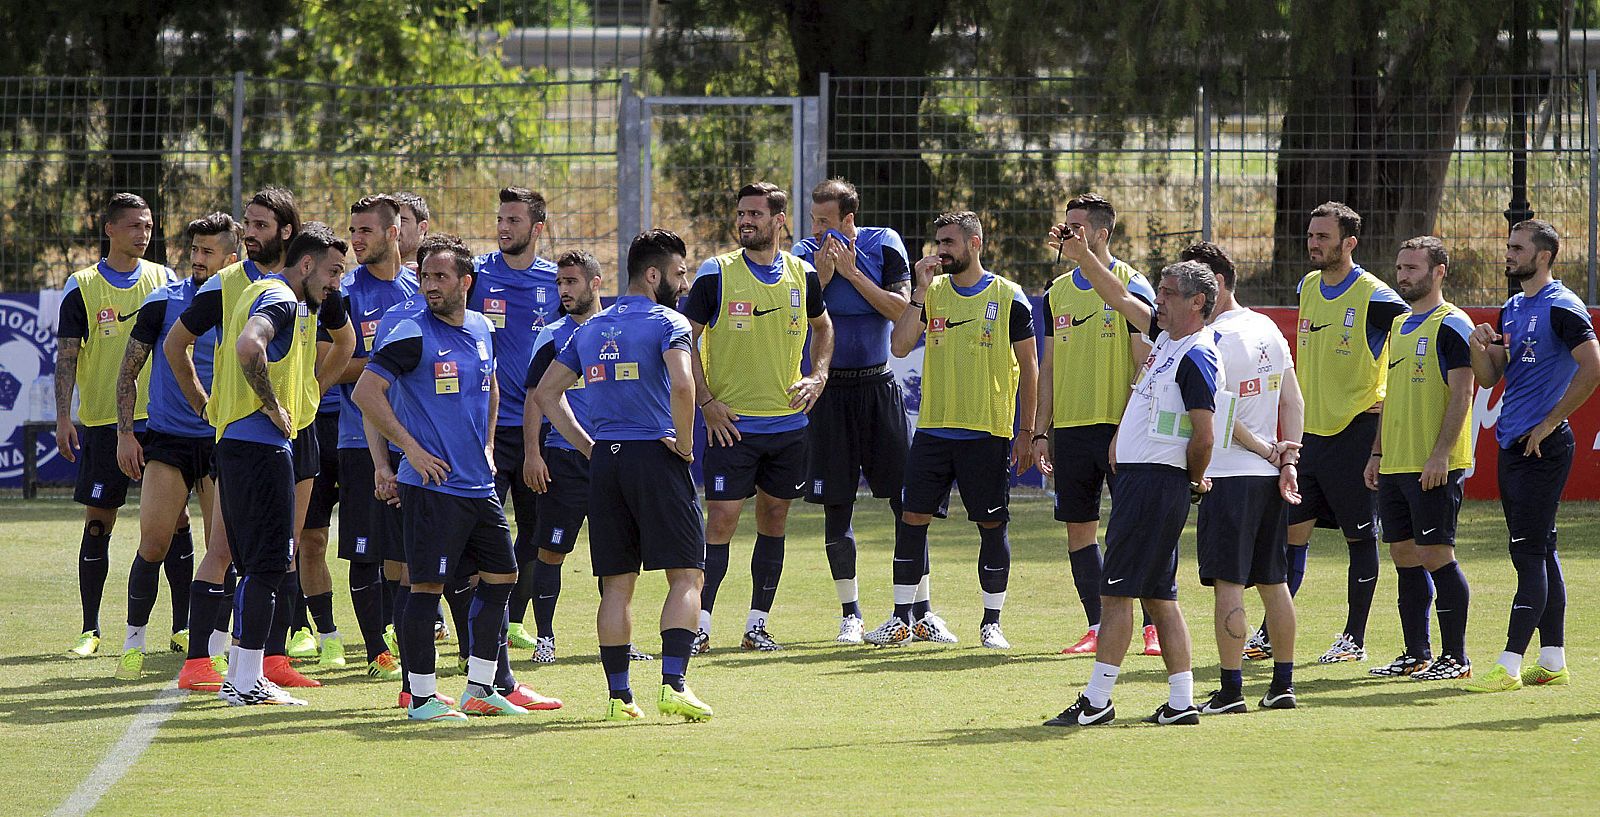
[[980, 468], [642, 509], [190, 455], [775, 463], [255, 482], [101, 483], [325, 488], [358, 511], [1333, 484], [857, 427], [1141, 559], [387, 523], [1530, 491], [449, 535], [1408, 512], [1082, 458], [1243, 532], [306, 453], [563, 505], [508, 449]]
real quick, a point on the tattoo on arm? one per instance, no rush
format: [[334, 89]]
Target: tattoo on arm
[[255, 373], [128, 383], [66, 374]]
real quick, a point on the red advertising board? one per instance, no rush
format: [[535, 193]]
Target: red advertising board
[[1481, 483]]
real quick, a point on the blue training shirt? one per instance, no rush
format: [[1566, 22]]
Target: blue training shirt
[[367, 297], [518, 303], [170, 412], [281, 309], [861, 333], [618, 353], [439, 383], [1539, 334], [552, 340]]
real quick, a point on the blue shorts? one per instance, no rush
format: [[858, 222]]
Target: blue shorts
[[1082, 458], [775, 463], [1408, 512], [190, 455], [255, 485], [1530, 491], [642, 509], [448, 535], [857, 428], [564, 504], [325, 488], [980, 469], [1243, 532], [101, 483], [1141, 559], [1333, 483]]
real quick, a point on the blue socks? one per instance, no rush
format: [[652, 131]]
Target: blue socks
[[1414, 595], [144, 582], [1454, 598], [766, 569], [994, 570], [1086, 578], [676, 645], [546, 591], [1361, 583], [179, 567], [614, 660], [716, 571]]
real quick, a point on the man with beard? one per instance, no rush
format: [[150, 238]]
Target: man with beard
[[92, 328], [635, 357], [1544, 345], [264, 382], [1345, 317], [414, 216], [516, 290], [1420, 459], [980, 364], [271, 221], [753, 307], [174, 458]]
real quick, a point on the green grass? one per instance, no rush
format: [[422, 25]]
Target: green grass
[[821, 728]]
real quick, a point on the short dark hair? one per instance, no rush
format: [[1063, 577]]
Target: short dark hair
[[1194, 278], [534, 201], [1543, 235], [313, 237], [1102, 216], [652, 248], [418, 204], [1214, 257], [965, 219], [838, 190], [437, 243], [1349, 220], [213, 224], [1438, 256], [281, 203], [387, 207], [777, 200], [580, 258], [123, 201]]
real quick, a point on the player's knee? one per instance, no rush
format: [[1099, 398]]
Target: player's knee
[[918, 519], [991, 525], [96, 527], [154, 551], [551, 557], [428, 588]]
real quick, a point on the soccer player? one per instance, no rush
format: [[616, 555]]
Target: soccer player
[[1343, 335], [1243, 520], [93, 327], [1089, 363], [414, 216], [264, 381], [175, 456], [858, 426], [1153, 460], [371, 289], [979, 365], [516, 290], [634, 360], [752, 308], [1544, 346], [440, 361], [560, 474], [1420, 459]]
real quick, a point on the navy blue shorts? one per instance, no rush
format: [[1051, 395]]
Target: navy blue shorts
[[1530, 491], [858, 427], [563, 505], [642, 509], [387, 523], [1243, 532], [307, 453], [255, 483], [190, 455], [775, 463], [1408, 512], [101, 483], [1333, 483], [1082, 458], [1141, 559], [448, 535], [325, 487], [358, 512], [980, 469], [508, 448]]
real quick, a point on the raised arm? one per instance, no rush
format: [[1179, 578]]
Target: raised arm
[[909, 326], [1107, 286]]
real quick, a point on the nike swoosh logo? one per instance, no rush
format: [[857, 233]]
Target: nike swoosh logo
[[1090, 721], [369, 311], [760, 312], [800, 487], [1112, 581], [995, 508], [1364, 526], [1395, 363], [1428, 531], [547, 597], [898, 559], [1316, 328], [1081, 321], [1520, 607], [443, 352], [1518, 538], [954, 324], [497, 289], [93, 559], [1364, 581], [993, 569], [128, 317], [769, 587], [1442, 610]]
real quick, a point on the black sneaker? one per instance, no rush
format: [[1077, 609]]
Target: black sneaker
[[1403, 665], [1223, 703], [1167, 716], [1446, 667], [1083, 713], [1278, 698]]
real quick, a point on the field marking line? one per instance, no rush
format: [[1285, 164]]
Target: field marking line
[[123, 754]]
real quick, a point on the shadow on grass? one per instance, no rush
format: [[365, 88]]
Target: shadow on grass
[[372, 724], [1511, 725]]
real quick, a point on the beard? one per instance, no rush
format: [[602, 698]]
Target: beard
[[1521, 273], [758, 240], [955, 266], [376, 254], [270, 253], [448, 305], [666, 294], [1334, 258], [581, 305], [517, 246]]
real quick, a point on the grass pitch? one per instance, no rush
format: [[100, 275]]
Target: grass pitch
[[822, 728]]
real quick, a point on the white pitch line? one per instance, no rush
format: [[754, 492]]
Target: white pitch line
[[123, 755]]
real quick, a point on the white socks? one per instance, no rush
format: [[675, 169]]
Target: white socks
[[135, 639], [218, 643], [1512, 662], [249, 670], [1180, 690], [755, 619], [993, 601], [423, 686], [480, 671], [846, 588], [1553, 658], [1101, 679], [705, 622], [923, 591]]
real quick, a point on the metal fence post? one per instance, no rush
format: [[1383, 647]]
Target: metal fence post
[[628, 188], [810, 139], [236, 149], [1205, 163], [822, 126], [1594, 190]]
